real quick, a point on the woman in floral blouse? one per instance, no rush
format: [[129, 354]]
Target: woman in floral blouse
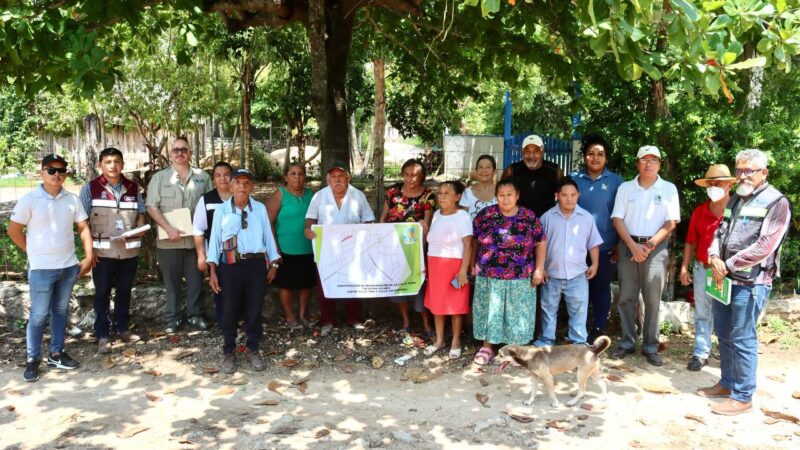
[[509, 263], [411, 201]]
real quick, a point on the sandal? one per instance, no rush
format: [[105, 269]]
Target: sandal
[[484, 355], [455, 353], [431, 349], [294, 325]]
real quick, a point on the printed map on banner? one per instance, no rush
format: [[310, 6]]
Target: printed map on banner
[[369, 260]]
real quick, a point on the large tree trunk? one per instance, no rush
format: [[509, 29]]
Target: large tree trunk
[[330, 30], [378, 130], [248, 91]]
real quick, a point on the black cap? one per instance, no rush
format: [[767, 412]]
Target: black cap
[[53, 158], [242, 173]]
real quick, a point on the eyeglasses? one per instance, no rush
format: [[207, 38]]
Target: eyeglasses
[[244, 219], [179, 150], [746, 172], [649, 161], [56, 170]]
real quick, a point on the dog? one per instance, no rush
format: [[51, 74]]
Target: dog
[[544, 362]]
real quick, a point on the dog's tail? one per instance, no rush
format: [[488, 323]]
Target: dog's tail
[[601, 344]]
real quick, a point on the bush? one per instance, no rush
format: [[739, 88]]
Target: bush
[[265, 167]]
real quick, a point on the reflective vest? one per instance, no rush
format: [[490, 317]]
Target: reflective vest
[[111, 216], [212, 201], [741, 226]]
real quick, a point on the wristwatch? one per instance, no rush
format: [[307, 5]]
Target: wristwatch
[[650, 245], [274, 265]]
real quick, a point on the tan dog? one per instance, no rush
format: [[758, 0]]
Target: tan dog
[[544, 362]]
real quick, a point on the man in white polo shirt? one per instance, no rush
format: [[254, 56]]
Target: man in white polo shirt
[[41, 225], [646, 211], [338, 203]]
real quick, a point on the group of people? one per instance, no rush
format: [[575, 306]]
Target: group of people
[[502, 254]]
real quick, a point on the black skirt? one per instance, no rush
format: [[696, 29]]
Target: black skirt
[[296, 272]]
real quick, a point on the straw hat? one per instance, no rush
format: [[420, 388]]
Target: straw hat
[[715, 172]]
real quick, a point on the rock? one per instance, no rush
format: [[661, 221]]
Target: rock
[[482, 426], [403, 436], [8, 291]]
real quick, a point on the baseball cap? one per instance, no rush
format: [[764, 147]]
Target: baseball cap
[[53, 158], [242, 172], [533, 139], [338, 166], [646, 150]]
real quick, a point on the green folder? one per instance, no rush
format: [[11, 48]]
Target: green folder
[[721, 295]]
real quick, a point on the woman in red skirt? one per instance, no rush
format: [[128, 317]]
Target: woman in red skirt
[[449, 250]]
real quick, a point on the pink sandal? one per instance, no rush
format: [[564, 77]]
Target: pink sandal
[[484, 355]]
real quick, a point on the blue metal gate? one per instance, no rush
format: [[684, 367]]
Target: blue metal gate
[[558, 151]]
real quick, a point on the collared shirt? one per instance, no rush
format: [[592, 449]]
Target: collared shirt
[[644, 211], [256, 238], [702, 227], [597, 197], [86, 197], [165, 189], [49, 231], [568, 241], [354, 209]]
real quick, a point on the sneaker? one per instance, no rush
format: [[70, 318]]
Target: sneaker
[[104, 346], [62, 361], [128, 337], [697, 363], [359, 326], [198, 322], [255, 360], [172, 327], [31, 371], [228, 363]]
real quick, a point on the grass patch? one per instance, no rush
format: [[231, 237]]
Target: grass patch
[[17, 182]]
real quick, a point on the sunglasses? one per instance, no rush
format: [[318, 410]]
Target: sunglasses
[[179, 150], [244, 219], [55, 170]]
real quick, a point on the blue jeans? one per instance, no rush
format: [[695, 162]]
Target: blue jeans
[[735, 325], [600, 291], [576, 294], [50, 292], [703, 314]]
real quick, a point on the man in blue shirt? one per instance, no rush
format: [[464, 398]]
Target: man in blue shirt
[[598, 187], [243, 258]]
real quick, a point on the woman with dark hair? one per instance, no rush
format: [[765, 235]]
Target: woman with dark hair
[[509, 264], [410, 201], [287, 209], [598, 188], [481, 194]]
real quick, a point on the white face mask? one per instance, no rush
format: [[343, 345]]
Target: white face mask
[[744, 189], [715, 193]]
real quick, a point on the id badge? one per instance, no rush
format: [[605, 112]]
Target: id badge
[[120, 225]]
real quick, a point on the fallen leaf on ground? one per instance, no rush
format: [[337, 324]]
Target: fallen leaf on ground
[[275, 386], [482, 398], [132, 432], [322, 433], [261, 420], [288, 362], [170, 391], [129, 352], [285, 429], [613, 377], [522, 418], [776, 378], [340, 357], [796, 394], [557, 424], [11, 408], [175, 339], [186, 442], [583, 417], [270, 353], [153, 372], [483, 381], [225, 390], [107, 363], [301, 380], [347, 368], [377, 362], [239, 381], [771, 421], [268, 402], [780, 415], [241, 349], [764, 393], [797, 433], [302, 387], [695, 418], [661, 347], [210, 370], [658, 388], [635, 444], [592, 406], [156, 334], [185, 353], [152, 397]]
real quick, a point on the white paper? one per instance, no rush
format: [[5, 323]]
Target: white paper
[[130, 233]]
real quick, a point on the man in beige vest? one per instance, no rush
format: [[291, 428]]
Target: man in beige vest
[[114, 205], [178, 186]]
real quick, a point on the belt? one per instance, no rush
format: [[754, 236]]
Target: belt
[[641, 239], [252, 255]]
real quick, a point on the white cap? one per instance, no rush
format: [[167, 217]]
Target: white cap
[[646, 150], [533, 139]]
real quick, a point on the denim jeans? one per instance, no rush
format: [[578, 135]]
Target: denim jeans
[[50, 292], [735, 325], [576, 294], [703, 314]]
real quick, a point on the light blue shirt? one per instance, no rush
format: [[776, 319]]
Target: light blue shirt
[[568, 241], [256, 238], [597, 197]]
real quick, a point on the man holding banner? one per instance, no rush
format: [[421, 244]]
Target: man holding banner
[[745, 253], [338, 203]]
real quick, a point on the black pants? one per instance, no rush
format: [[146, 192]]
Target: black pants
[[118, 274], [243, 287]]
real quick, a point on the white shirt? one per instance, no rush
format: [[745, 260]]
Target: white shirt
[[49, 227], [445, 238], [473, 204], [355, 208], [644, 211]]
